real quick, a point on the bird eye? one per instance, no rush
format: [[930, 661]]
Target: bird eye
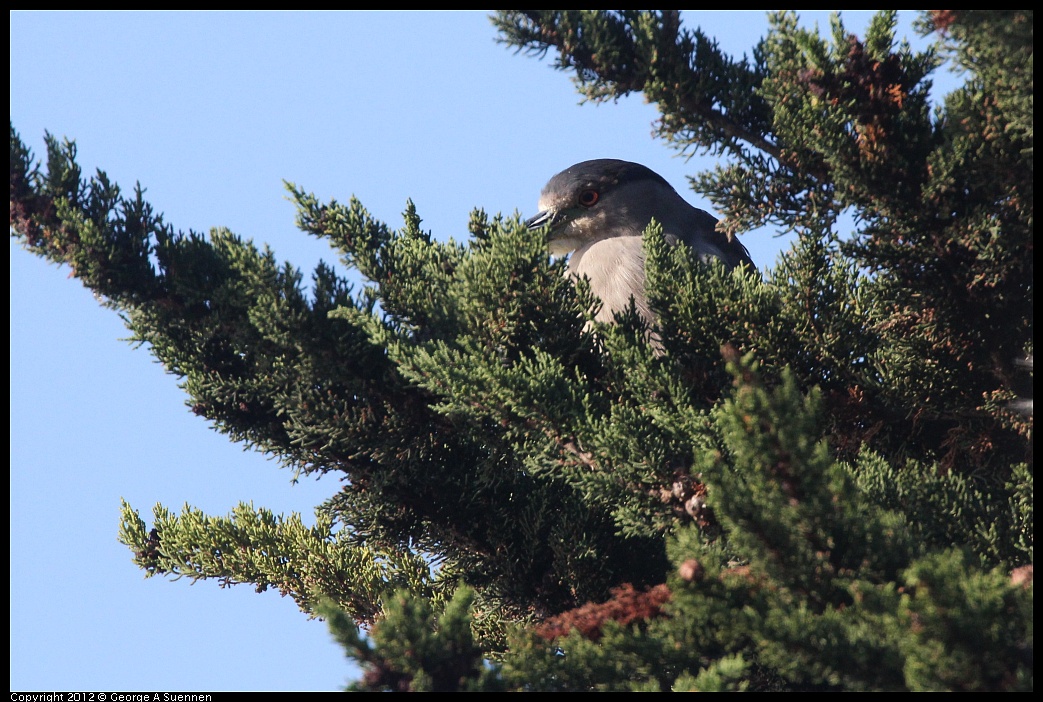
[[588, 198]]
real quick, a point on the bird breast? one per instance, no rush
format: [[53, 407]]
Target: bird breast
[[616, 270]]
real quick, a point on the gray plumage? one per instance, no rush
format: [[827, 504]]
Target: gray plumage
[[597, 211]]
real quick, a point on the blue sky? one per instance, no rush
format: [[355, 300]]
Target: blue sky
[[211, 112]]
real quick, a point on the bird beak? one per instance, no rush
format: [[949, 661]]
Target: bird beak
[[547, 217], [558, 243]]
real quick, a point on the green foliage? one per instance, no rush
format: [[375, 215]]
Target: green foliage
[[414, 648], [814, 480], [951, 508], [951, 614], [255, 546]]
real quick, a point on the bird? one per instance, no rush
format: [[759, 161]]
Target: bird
[[597, 211]]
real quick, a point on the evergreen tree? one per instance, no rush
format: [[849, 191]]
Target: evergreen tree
[[821, 481]]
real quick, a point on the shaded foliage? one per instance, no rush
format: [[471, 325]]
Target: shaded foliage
[[818, 482]]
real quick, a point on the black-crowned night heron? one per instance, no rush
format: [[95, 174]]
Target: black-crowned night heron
[[598, 210]]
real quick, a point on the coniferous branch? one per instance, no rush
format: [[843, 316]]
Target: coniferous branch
[[309, 380], [266, 550], [708, 101], [812, 481]]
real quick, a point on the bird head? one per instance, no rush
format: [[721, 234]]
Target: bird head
[[607, 198], [598, 199]]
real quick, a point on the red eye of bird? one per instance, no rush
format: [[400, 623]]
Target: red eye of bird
[[588, 198]]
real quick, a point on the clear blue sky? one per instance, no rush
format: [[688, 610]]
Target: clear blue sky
[[211, 112]]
